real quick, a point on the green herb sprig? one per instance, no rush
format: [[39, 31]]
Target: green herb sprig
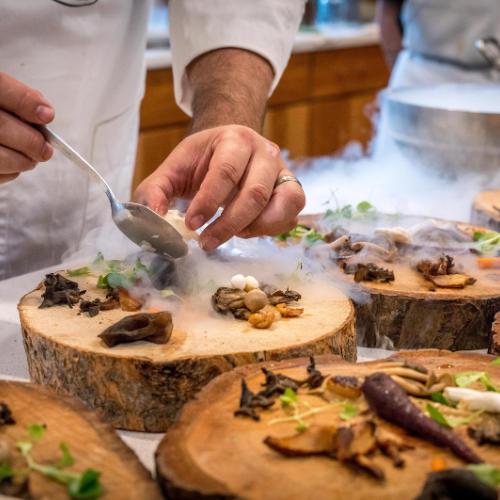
[[466, 379], [451, 423], [83, 485], [290, 399]]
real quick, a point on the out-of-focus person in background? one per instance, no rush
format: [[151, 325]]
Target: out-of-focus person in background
[[87, 59], [428, 42]]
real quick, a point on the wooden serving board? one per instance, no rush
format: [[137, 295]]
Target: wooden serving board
[[209, 453], [92, 444], [413, 316], [141, 386], [486, 210]]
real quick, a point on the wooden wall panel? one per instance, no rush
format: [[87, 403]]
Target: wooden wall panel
[[154, 146], [158, 106], [289, 127]]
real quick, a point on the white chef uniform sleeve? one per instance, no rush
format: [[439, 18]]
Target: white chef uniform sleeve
[[266, 27]]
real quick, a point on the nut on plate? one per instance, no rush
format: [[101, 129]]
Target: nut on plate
[[289, 312], [261, 320]]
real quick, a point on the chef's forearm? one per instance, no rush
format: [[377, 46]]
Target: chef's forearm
[[230, 86], [388, 17]]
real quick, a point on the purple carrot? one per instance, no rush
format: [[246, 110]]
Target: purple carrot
[[390, 401]]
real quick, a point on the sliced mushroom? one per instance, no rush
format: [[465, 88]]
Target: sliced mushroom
[[411, 386], [315, 440], [391, 445], [407, 373], [289, 312]]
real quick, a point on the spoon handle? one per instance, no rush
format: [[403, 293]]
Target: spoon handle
[[75, 158]]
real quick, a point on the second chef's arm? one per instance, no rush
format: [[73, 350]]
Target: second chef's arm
[[387, 15]]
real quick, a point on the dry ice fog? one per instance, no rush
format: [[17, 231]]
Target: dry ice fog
[[392, 182]]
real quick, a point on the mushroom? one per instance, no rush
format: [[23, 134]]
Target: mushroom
[[343, 387], [411, 386], [226, 299], [289, 312], [5, 452], [391, 445], [407, 373], [255, 300], [251, 283], [339, 242], [239, 282], [261, 320]]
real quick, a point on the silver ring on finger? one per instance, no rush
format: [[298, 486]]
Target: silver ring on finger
[[286, 178]]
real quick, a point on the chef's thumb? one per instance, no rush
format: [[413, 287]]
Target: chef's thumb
[[24, 102]]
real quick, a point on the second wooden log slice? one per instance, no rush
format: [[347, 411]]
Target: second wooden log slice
[[210, 453], [411, 313], [141, 386], [92, 444], [486, 210]]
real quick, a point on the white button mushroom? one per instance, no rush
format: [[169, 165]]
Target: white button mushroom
[[239, 281], [251, 283], [255, 300]]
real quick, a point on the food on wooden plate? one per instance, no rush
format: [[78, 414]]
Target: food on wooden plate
[[342, 386], [368, 272], [486, 430], [60, 290], [441, 272], [261, 307], [6, 415], [153, 327], [390, 401]]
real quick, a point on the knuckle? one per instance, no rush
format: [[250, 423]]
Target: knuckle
[[24, 98], [34, 143], [228, 173], [259, 195], [297, 199]]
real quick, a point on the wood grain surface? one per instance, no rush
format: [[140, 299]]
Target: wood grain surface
[[209, 453], [92, 444], [485, 210], [141, 386]]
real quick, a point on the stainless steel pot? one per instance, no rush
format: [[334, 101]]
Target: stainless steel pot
[[449, 127]]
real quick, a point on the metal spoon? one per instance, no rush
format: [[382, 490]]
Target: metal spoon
[[135, 221]]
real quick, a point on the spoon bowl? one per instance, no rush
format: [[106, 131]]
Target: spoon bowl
[[137, 222]]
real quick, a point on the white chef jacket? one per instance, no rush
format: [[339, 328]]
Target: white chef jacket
[[87, 59]]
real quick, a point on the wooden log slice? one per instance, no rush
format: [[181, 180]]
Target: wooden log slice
[[494, 347], [211, 454], [141, 386], [486, 210], [92, 443], [410, 313]]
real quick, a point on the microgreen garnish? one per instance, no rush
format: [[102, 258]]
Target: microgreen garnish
[[439, 398], [83, 485], [117, 273], [290, 400], [487, 473], [486, 242], [294, 275], [165, 294], [81, 271], [436, 415], [307, 234], [363, 211], [466, 379], [5, 471]]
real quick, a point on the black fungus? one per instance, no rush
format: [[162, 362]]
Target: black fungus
[[456, 484], [250, 401], [369, 272], [315, 378], [60, 290], [6, 415], [278, 384], [153, 327]]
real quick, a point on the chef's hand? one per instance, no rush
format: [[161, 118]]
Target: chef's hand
[[21, 146], [225, 162], [231, 167]]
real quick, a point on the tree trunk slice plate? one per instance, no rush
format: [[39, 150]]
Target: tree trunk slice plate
[[483, 210], [412, 316], [210, 454], [92, 443], [141, 386]]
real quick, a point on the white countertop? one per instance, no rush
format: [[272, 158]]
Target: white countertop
[[13, 365], [343, 36]]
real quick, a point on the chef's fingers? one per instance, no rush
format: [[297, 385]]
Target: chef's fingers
[[12, 162], [8, 177], [155, 192], [255, 192], [231, 152], [23, 101], [280, 215], [21, 137]]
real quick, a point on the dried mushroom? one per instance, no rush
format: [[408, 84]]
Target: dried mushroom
[[6, 415], [153, 327], [250, 401], [315, 378], [227, 299], [289, 312], [281, 297], [369, 272], [315, 440], [439, 266], [343, 387], [452, 280], [278, 384], [261, 320], [60, 290], [127, 301], [487, 430]]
